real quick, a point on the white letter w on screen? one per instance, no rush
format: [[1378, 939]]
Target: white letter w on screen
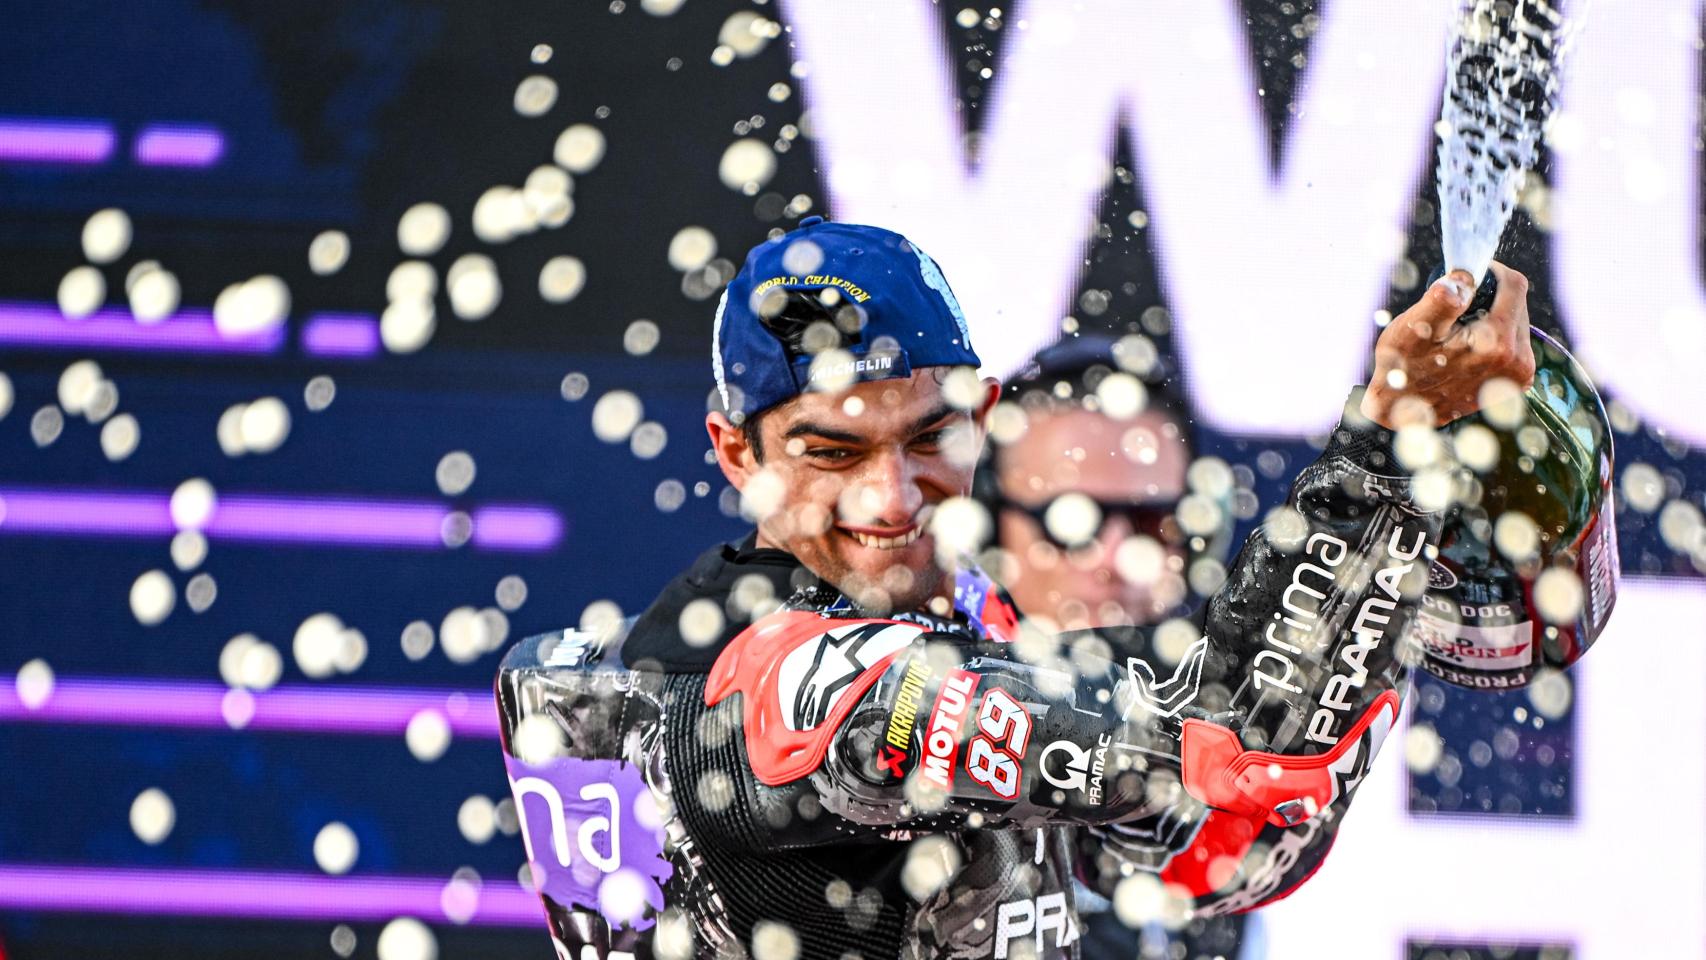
[[1272, 277]]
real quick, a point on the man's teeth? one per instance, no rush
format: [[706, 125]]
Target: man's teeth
[[888, 543]]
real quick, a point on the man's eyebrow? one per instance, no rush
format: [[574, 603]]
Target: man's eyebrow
[[942, 412], [807, 428]]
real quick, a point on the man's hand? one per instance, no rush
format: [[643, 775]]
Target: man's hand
[[1430, 369]]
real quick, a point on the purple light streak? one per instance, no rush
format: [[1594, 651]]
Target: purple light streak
[[255, 894], [517, 528], [341, 335], [291, 708], [187, 331], [416, 524], [167, 145], [55, 141]]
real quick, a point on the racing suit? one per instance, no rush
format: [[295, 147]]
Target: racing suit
[[823, 783]]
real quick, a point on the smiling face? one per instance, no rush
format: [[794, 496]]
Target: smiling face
[[848, 481]]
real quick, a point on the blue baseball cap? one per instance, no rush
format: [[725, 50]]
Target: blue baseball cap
[[828, 305]]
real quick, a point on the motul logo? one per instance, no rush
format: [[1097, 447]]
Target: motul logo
[[942, 739]]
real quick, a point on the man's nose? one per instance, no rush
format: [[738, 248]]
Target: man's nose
[[1115, 530], [891, 496]]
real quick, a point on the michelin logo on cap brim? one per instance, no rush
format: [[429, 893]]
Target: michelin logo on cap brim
[[864, 368], [835, 371]]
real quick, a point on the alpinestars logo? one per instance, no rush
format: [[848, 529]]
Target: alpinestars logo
[[1351, 768], [813, 677], [1168, 697]]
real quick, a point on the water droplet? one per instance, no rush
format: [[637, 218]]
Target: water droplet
[[1516, 535], [747, 164], [417, 640], [1643, 487], [407, 325], [427, 735], [154, 296], [477, 819], [406, 938], [561, 279], [930, 861], [411, 280], [615, 416], [701, 622], [192, 504], [343, 941], [1121, 396], [501, 214], [1476, 447], [253, 306], [669, 496], [1558, 595], [1072, 518], [574, 386], [328, 252], [46, 425], [34, 684], [264, 425], [691, 248], [579, 148], [106, 235], [200, 592], [152, 816], [1418, 446], [511, 592], [336, 848], [119, 437], [316, 645], [455, 473], [1550, 692], [474, 286], [640, 338], [81, 292], [1422, 748], [319, 393], [535, 95], [746, 33], [152, 597], [536, 740], [77, 385], [462, 634]]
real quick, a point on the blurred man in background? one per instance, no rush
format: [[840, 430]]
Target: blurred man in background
[[1124, 471], [1125, 447]]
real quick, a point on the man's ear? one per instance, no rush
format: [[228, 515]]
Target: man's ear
[[734, 455], [991, 396]]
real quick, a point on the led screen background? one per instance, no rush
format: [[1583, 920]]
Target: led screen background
[[1247, 184]]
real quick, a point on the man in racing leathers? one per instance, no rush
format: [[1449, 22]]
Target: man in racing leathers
[[888, 764]]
